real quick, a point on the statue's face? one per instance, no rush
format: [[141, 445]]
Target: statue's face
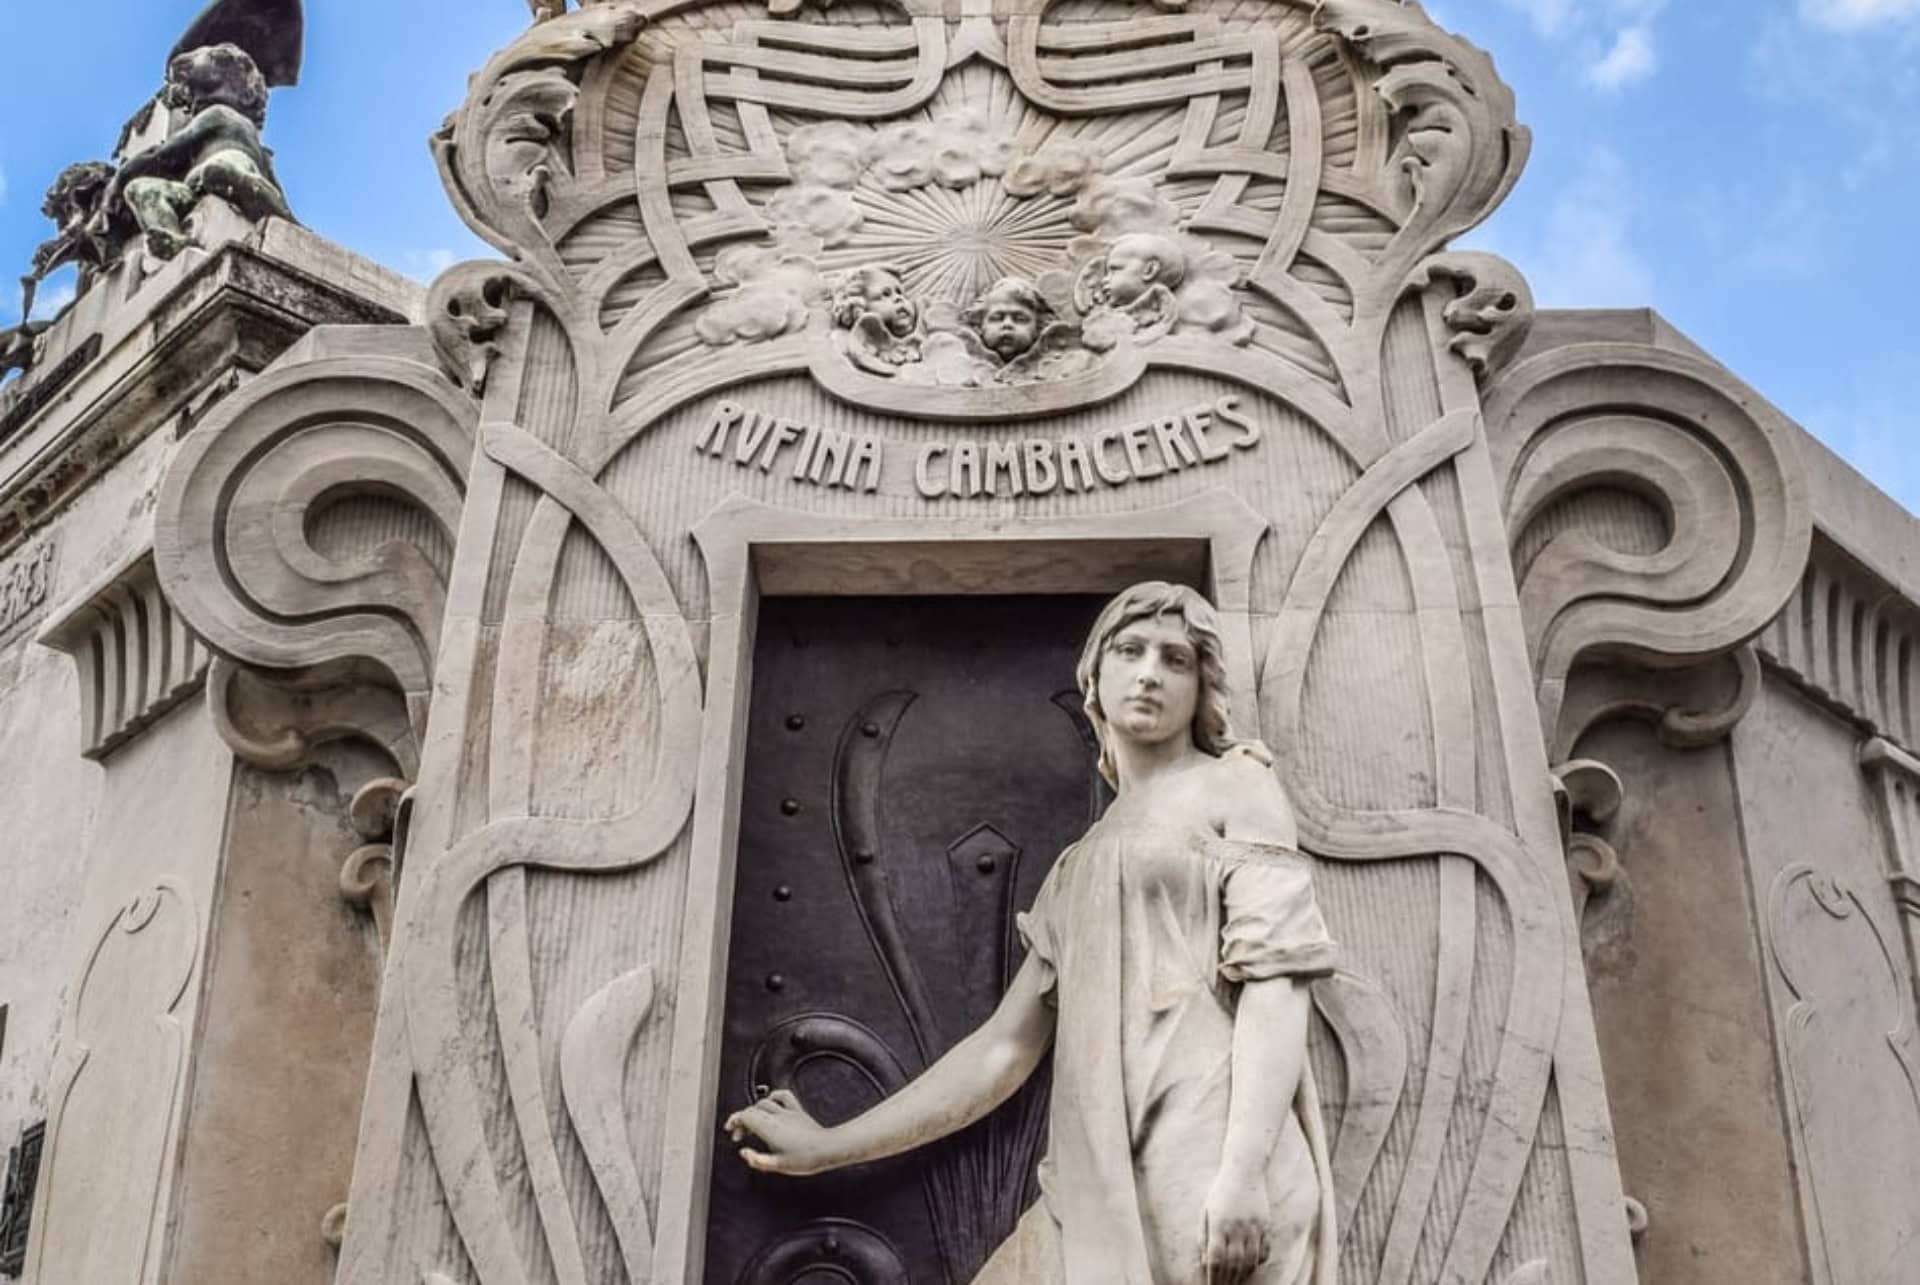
[[888, 300], [215, 74], [1009, 328], [1130, 271], [1149, 685]]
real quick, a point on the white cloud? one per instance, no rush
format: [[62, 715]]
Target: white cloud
[[1614, 39], [1855, 15], [1871, 424], [1581, 255], [52, 298], [1631, 59], [425, 265], [1863, 93], [1550, 17], [1790, 236]]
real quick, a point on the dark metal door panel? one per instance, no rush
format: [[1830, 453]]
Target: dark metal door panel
[[914, 766]]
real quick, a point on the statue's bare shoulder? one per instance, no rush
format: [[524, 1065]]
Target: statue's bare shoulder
[[1245, 798]]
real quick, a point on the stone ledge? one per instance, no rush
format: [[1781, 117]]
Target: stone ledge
[[212, 319]]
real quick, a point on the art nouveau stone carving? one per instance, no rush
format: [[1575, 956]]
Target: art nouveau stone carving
[[135, 656], [1896, 779], [295, 520], [1848, 638], [1656, 509], [1659, 521], [119, 1039], [1848, 1044], [23, 589], [768, 267]]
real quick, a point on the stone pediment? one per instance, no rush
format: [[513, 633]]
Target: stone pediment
[[697, 196]]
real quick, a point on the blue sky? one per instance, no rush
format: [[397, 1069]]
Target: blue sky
[[1748, 167]]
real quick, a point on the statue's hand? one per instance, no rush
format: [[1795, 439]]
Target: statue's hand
[[1235, 1236], [795, 1143]]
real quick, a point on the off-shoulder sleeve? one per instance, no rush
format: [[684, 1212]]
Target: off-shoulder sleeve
[[1036, 931], [1270, 922]]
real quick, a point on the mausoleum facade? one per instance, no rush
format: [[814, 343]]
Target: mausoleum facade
[[464, 743]]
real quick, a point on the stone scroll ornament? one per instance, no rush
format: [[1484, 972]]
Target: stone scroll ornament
[[1659, 520], [939, 214], [1658, 515]]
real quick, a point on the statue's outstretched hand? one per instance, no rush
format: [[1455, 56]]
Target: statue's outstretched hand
[[794, 1142], [1235, 1239]]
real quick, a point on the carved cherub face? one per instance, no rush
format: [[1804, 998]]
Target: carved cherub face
[[876, 291], [888, 300], [1136, 263], [1008, 317]]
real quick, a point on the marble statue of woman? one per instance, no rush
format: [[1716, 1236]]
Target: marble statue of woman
[[1167, 956]]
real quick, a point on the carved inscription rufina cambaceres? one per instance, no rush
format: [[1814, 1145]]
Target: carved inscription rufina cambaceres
[[1010, 464]]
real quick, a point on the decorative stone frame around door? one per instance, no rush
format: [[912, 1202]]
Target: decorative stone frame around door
[[752, 550], [472, 536]]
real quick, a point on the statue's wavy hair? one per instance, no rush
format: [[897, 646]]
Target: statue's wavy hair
[[1212, 721]]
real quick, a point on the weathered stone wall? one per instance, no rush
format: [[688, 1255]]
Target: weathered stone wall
[[117, 783], [530, 537], [292, 990], [1746, 880], [52, 793], [50, 797]]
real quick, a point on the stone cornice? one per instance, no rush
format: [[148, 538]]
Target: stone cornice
[[1851, 641], [136, 657], [116, 369]]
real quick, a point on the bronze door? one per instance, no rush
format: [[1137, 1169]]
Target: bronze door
[[914, 766]]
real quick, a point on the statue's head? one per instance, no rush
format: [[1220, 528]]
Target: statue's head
[[876, 290], [1139, 261], [76, 192], [219, 74], [1160, 602]]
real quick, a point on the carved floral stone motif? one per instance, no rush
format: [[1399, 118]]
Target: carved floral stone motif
[[914, 298], [25, 583]]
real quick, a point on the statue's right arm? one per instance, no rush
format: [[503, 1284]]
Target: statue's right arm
[[974, 1077], [174, 154]]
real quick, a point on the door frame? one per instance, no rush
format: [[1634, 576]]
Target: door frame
[[753, 549]]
